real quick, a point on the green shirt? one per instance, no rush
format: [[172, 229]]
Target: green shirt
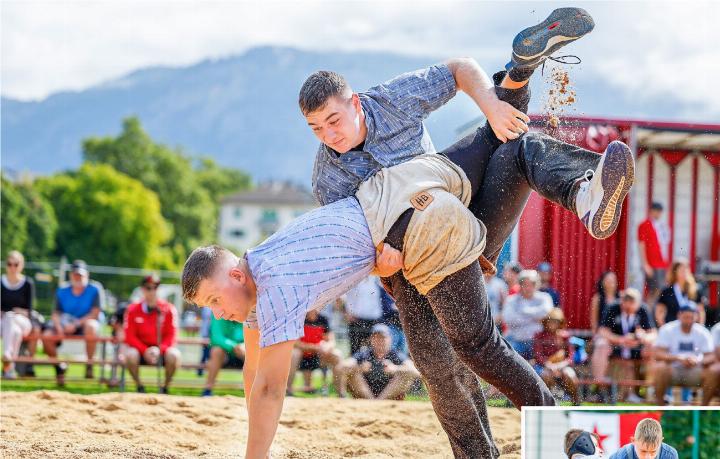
[[226, 334]]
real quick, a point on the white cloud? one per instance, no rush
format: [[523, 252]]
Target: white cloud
[[643, 48]]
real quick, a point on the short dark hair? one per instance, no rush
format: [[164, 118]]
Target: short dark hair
[[199, 266], [319, 88], [657, 206]]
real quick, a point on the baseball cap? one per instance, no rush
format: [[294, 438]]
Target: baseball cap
[[690, 306], [79, 267], [544, 267], [381, 328], [151, 279]]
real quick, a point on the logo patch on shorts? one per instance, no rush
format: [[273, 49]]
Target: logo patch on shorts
[[421, 200]]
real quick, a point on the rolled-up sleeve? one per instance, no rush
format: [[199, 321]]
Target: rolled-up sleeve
[[420, 92], [280, 314]]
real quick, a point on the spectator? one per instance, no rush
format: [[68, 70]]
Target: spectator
[[683, 348], [551, 351], [713, 382], [629, 330], [391, 318], [647, 443], [227, 349], [150, 334], [18, 293], [546, 277], [681, 289], [510, 276], [654, 240], [315, 350], [76, 311], [117, 323], [607, 293], [378, 372], [363, 309], [523, 312], [497, 292], [206, 317]]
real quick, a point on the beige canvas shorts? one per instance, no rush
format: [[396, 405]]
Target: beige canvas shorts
[[443, 236]]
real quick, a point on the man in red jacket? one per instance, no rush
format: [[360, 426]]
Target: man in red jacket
[[150, 334]]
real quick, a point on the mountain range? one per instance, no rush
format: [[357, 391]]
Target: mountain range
[[242, 110]]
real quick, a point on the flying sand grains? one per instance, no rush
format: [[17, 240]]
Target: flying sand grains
[[560, 96]]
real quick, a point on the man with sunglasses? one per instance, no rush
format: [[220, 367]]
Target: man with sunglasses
[[150, 334]]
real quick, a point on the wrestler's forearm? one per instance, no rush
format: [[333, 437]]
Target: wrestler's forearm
[[266, 403], [471, 79]]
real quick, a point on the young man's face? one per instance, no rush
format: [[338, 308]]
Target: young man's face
[[645, 451], [338, 124], [227, 294]]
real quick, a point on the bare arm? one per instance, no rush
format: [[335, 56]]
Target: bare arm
[[266, 398], [594, 312], [252, 354], [506, 121], [643, 258]]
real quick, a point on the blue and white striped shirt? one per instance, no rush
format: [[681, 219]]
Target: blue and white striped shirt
[[312, 261], [394, 114]]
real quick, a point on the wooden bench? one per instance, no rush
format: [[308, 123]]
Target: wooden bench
[[115, 362]]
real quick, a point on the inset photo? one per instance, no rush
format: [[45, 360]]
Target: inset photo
[[651, 433]]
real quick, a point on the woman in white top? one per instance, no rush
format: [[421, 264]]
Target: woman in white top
[[17, 301]]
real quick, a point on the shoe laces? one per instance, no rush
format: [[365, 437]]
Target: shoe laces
[[588, 175], [561, 60]]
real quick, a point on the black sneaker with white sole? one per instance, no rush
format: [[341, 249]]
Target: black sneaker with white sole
[[535, 44]]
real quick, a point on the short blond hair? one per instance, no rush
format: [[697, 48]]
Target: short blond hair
[[16, 255], [648, 432]]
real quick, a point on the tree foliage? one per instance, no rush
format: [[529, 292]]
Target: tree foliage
[[188, 197], [107, 218], [28, 221]]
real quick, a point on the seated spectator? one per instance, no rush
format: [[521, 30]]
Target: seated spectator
[[545, 271], [647, 443], [682, 351], [227, 349], [18, 293], [363, 309], [629, 330], [206, 317], [681, 289], [377, 372], [117, 323], [497, 292], [607, 294], [150, 334], [391, 318], [713, 382], [76, 311], [315, 350], [510, 276], [523, 312], [551, 352]]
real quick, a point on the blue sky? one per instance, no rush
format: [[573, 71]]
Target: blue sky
[[643, 48]]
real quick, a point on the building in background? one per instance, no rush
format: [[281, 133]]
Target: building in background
[[248, 217]]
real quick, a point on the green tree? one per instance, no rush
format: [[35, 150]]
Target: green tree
[[42, 224], [107, 218], [678, 432], [188, 197], [14, 221], [220, 181]]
